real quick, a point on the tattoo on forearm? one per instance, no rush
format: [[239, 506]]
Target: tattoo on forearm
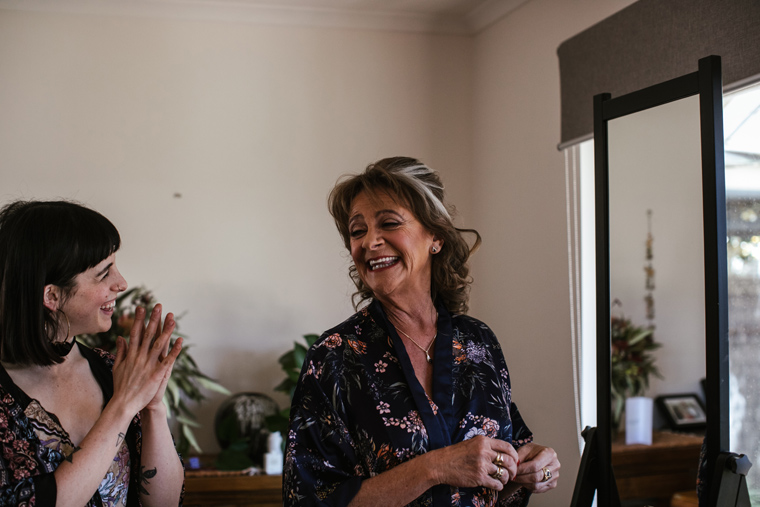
[[70, 457], [144, 476], [119, 439]]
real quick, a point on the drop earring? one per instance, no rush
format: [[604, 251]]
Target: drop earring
[[63, 348]]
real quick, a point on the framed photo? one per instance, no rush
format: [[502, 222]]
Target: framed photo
[[684, 412]]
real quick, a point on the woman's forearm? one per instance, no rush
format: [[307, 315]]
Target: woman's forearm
[[161, 475], [398, 486], [79, 475]]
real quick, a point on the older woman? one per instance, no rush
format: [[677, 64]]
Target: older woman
[[408, 401], [77, 426]]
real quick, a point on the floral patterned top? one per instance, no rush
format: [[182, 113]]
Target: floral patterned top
[[33, 444], [359, 409]]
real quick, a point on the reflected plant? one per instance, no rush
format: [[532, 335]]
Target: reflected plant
[[187, 382], [632, 363]]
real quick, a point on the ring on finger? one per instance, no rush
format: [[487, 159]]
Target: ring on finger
[[499, 472], [499, 461], [547, 474]]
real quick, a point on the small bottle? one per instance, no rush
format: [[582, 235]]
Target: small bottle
[[273, 457]]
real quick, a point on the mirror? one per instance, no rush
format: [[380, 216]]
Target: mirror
[[655, 165], [655, 187], [724, 470]]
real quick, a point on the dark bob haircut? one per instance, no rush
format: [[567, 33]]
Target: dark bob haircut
[[418, 188], [44, 243]]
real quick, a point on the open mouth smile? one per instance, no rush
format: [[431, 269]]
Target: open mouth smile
[[109, 307], [382, 262]]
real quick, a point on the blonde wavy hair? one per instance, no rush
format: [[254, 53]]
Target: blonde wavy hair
[[418, 188]]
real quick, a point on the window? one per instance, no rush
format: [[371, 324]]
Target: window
[[742, 139]]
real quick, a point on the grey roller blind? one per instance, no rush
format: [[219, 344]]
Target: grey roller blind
[[652, 41]]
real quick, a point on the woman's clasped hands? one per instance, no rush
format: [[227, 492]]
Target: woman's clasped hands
[[143, 366], [538, 470], [479, 461]]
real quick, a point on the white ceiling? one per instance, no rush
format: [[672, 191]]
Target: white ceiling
[[463, 17]]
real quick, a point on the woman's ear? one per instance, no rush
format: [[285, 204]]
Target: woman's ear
[[437, 245], [51, 297]]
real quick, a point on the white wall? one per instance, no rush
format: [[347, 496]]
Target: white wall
[[251, 125], [521, 280]]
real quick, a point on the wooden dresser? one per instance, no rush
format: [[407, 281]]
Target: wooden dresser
[[653, 473], [212, 488]]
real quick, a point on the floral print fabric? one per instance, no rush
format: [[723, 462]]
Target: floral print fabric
[[359, 409], [32, 445], [113, 488]]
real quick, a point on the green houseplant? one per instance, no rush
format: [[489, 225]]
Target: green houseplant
[[291, 363], [187, 382], [632, 363]]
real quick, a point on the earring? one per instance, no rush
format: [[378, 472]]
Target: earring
[[68, 324], [63, 348], [434, 250]]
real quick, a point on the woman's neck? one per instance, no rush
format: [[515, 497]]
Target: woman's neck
[[418, 316], [51, 371]]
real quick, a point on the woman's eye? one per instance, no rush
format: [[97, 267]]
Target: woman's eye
[[106, 275], [391, 223], [356, 233]]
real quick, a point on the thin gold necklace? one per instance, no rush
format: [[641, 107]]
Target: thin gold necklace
[[427, 355]]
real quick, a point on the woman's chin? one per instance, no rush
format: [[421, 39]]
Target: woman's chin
[[104, 326]]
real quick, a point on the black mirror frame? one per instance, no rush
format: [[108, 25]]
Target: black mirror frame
[[707, 83]]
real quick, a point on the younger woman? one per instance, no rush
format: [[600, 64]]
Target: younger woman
[[78, 426]]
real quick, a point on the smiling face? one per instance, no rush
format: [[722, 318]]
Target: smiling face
[[391, 249], [90, 305]]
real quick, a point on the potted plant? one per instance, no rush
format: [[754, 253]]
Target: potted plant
[[291, 363], [240, 448], [632, 363], [186, 382]]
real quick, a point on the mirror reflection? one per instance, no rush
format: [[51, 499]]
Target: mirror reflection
[[657, 283], [655, 166]]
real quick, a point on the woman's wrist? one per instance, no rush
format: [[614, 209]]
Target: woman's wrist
[[157, 411], [117, 410], [432, 469]]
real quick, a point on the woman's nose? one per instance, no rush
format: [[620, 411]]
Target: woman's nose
[[373, 239], [120, 283]]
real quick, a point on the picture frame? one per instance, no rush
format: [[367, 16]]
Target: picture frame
[[683, 412]]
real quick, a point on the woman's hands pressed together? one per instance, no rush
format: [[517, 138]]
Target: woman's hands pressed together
[[140, 373], [142, 368]]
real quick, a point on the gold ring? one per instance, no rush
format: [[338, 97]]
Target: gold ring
[[547, 474], [499, 460], [499, 472]]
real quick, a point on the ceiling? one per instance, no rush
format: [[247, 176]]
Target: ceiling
[[461, 17]]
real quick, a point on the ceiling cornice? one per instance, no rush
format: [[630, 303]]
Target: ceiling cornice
[[470, 23], [490, 12]]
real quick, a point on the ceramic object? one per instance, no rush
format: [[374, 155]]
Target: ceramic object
[[241, 417]]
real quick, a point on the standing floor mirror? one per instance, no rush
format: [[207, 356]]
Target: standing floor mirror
[[649, 169]]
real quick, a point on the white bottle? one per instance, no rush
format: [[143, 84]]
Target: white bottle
[[273, 457]]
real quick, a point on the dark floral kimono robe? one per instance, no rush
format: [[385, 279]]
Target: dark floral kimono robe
[[359, 409]]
